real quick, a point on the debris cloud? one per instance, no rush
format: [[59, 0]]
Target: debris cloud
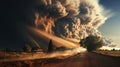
[[70, 18]]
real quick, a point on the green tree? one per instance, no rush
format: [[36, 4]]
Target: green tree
[[27, 48], [92, 42]]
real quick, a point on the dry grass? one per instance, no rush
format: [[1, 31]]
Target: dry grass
[[115, 53], [39, 55], [8, 55]]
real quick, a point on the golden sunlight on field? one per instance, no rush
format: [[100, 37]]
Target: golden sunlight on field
[[15, 56], [109, 48]]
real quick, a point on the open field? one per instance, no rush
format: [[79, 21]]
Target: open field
[[16, 56], [115, 53]]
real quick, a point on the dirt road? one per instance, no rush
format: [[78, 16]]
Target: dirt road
[[85, 59]]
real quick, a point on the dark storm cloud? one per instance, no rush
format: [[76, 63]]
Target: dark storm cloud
[[65, 18], [70, 18]]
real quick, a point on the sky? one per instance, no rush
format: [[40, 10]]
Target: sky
[[110, 28]]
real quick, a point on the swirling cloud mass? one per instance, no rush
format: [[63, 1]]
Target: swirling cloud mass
[[69, 18]]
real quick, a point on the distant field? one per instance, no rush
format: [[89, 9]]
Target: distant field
[[115, 53], [15, 56], [10, 55]]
